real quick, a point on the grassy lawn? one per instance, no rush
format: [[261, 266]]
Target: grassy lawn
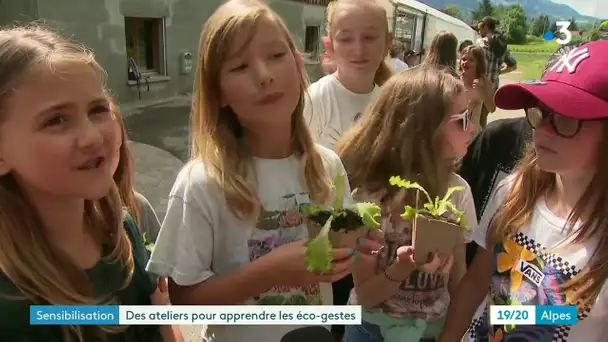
[[531, 64], [532, 56]]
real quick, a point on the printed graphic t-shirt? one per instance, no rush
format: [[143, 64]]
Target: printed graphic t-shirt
[[331, 110], [422, 295], [201, 238], [530, 270]]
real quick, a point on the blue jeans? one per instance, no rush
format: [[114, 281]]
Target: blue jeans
[[366, 332]]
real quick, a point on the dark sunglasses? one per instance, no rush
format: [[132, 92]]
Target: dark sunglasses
[[563, 126], [465, 117]]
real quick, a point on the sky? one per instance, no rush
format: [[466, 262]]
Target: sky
[[587, 7]]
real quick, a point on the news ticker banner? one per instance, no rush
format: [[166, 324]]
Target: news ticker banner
[[533, 315], [264, 315], [194, 315]]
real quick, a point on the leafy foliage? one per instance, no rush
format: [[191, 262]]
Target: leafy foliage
[[149, 245], [318, 250], [437, 208]]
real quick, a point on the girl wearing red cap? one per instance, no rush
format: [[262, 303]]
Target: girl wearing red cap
[[544, 240]]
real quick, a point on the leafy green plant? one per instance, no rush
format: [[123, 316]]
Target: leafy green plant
[[149, 245], [437, 208], [335, 218]]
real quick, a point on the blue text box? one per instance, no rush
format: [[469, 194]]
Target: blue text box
[[74, 315], [556, 315]]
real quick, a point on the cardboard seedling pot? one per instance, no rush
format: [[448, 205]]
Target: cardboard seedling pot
[[338, 239], [431, 235]]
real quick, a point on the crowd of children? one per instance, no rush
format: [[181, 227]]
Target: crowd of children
[[264, 141]]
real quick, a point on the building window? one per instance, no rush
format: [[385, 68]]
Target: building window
[[145, 43], [311, 42]]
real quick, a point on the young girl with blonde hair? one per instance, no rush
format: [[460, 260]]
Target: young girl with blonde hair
[[479, 88], [232, 233], [359, 41], [543, 235], [416, 128], [443, 51], [65, 239]]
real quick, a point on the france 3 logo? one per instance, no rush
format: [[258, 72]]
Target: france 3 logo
[[563, 34]]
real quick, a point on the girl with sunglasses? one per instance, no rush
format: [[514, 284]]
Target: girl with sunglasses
[[416, 128], [543, 235]]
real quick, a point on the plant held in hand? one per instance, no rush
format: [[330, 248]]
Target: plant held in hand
[[438, 226], [439, 208], [336, 226]]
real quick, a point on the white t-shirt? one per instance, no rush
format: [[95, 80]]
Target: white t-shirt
[[201, 238], [422, 295], [331, 109], [546, 271], [398, 64]]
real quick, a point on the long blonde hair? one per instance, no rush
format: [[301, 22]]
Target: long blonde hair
[[44, 274], [125, 170], [216, 130], [384, 71], [398, 133], [443, 51], [480, 59], [529, 184]]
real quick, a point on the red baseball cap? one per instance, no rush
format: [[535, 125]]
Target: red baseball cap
[[575, 86]]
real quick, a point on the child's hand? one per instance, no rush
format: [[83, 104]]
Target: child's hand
[[290, 268], [369, 246], [438, 264], [404, 262], [161, 295]]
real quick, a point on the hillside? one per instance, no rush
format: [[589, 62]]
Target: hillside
[[531, 7]]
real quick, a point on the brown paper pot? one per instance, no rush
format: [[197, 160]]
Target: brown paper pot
[[434, 236], [339, 239]]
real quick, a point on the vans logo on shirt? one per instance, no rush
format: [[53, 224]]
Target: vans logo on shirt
[[531, 272]]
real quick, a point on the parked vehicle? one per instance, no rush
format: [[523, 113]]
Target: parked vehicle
[[416, 24]]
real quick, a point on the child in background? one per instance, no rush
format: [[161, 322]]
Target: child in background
[[543, 237], [478, 86], [233, 233], [397, 55], [416, 128], [359, 43], [442, 51], [65, 239], [462, 45]]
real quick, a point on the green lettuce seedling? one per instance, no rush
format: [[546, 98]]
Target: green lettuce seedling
[[338, 219], [149, 245], [438, 208]]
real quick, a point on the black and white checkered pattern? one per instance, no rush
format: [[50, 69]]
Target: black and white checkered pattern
[[569, 270], [561, 332], [474, 325], [529, 244], [560, 264]]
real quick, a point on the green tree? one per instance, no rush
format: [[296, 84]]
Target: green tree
[[454, 11], [573, 25], [539, 25], [553, 27], [485, 9], [514, 25], [596, 32]]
